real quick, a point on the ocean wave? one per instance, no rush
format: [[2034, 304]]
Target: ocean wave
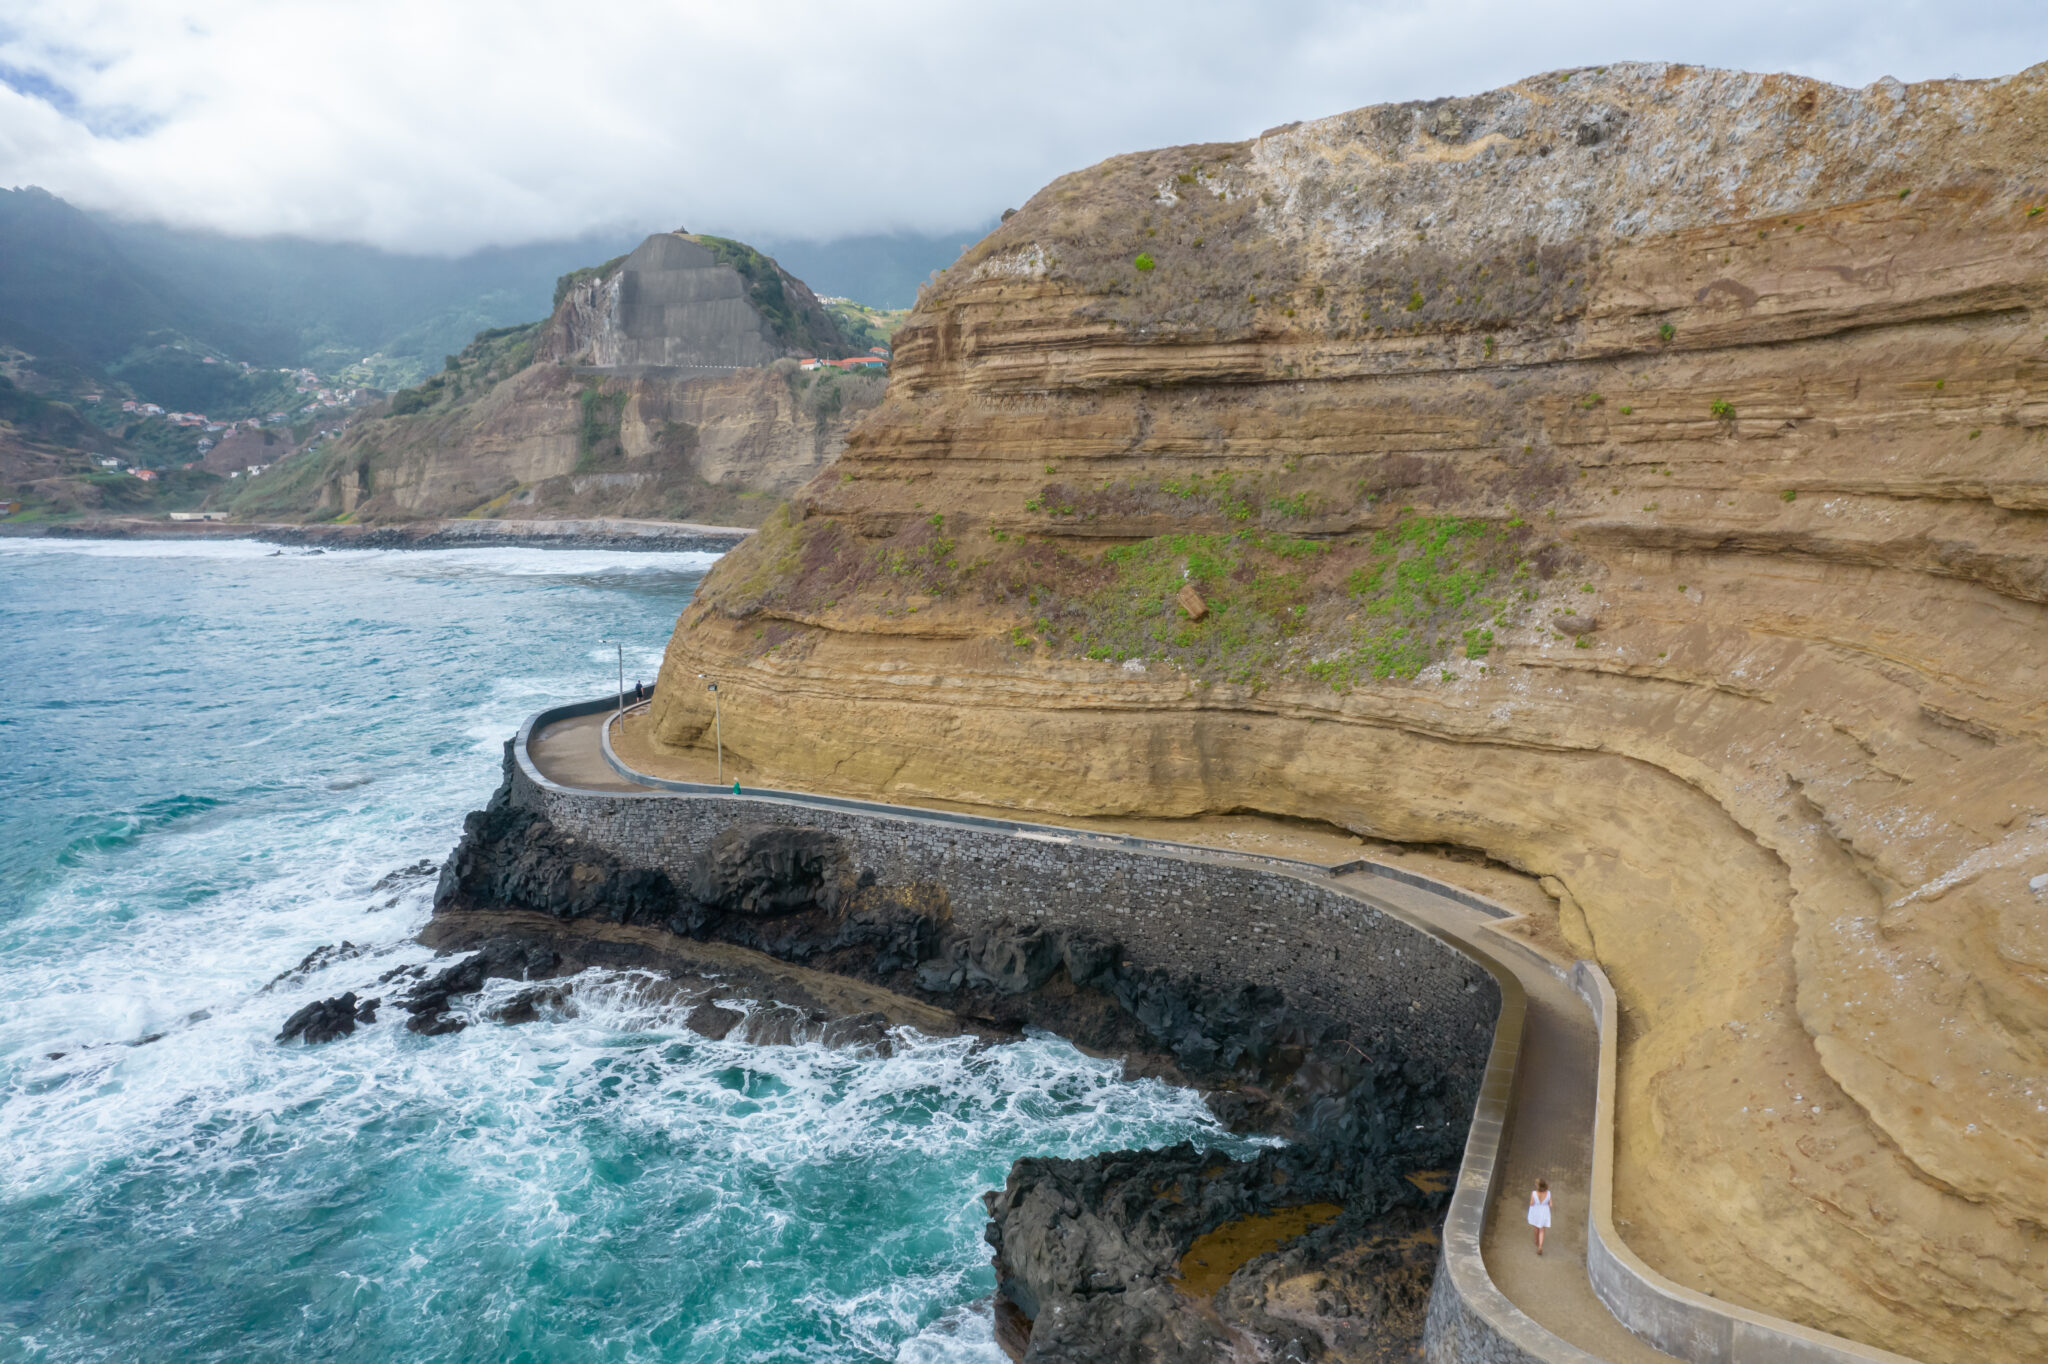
[[515, 561], [603, 1183]]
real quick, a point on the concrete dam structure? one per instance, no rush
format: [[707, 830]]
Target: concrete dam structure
[[674, 303]]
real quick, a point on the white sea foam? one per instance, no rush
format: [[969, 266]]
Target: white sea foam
[[514, 561], [601, 1184]]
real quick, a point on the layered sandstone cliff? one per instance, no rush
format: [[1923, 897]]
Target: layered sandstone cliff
[[661, 387], [1636, 475]]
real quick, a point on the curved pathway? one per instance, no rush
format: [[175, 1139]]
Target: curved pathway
[[1545, 1106], [1550, 1122], [1549, 1131]]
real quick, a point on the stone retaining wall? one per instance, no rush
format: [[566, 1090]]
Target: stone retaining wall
[[1183, 914]]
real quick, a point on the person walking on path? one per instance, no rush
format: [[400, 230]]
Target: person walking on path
[[1539, 1211]]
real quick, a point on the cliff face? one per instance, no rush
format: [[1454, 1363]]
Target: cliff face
[[690, 302], [1636, 475], [654, 390]]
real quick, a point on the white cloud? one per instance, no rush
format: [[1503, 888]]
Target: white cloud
[[447, 124]]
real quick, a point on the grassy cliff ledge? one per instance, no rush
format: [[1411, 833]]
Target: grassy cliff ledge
[[1634, 475]]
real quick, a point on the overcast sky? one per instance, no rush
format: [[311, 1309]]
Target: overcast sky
[[443, 125]]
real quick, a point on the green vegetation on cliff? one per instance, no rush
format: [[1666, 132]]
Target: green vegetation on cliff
[[805, 328], [582, 275], [603, 416], [1388, 605], [1254, 592], [494, 355], [1246, 607], [1430, 587]]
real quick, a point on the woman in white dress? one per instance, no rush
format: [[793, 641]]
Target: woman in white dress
[[1539, 1211]]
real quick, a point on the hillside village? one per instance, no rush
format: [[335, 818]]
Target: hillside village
[[69, 453], [135, 452]]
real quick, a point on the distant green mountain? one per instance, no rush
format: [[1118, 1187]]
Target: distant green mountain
[[69, 292], [338, 303], [90, 290]]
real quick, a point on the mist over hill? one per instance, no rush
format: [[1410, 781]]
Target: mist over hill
[[91, 289], [115, 333], [882, 270], [328, 304], [87, 289]]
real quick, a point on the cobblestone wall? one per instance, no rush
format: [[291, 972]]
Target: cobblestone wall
[[1222, 923]]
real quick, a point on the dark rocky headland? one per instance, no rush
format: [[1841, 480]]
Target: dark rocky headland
[[1321, 1248]]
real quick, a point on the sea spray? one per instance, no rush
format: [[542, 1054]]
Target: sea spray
[[220, 755]]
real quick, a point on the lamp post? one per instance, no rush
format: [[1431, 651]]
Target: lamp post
[[717, 727]]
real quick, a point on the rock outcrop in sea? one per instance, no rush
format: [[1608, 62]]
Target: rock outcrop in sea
[[1635, 475]]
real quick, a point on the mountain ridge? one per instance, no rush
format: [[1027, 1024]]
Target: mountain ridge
[[664, 384]]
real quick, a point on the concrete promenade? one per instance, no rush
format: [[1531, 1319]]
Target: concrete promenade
[[1549, 1133], [1549, 1130]]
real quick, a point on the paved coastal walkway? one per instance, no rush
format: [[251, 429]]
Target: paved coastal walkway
[[567, 752], [1550, 1124], [1549, 1133]]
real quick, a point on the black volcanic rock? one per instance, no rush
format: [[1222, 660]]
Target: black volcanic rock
[[324, 1020], [429, 1000], [713, 1021], [527, 1005], [770, 869], [317, 959], [511, 857]]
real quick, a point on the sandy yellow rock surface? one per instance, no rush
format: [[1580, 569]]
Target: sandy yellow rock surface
[[1746, 372]]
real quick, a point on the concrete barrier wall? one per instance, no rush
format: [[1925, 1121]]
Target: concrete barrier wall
[[1210, 920], [1470, 1320]]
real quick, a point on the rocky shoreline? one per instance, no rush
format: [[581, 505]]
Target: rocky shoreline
[[1321, 1247], [604, 533]]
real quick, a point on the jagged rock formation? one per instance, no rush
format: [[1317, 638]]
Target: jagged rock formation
[[1126, 1255], [659, 388], [1636, 475]]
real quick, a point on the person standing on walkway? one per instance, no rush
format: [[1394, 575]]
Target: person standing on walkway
[[1539, 1211]]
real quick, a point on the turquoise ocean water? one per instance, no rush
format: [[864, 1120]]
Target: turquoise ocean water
[[212, 754]]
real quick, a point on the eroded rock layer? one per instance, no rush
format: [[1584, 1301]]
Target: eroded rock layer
[[1636, 475]]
